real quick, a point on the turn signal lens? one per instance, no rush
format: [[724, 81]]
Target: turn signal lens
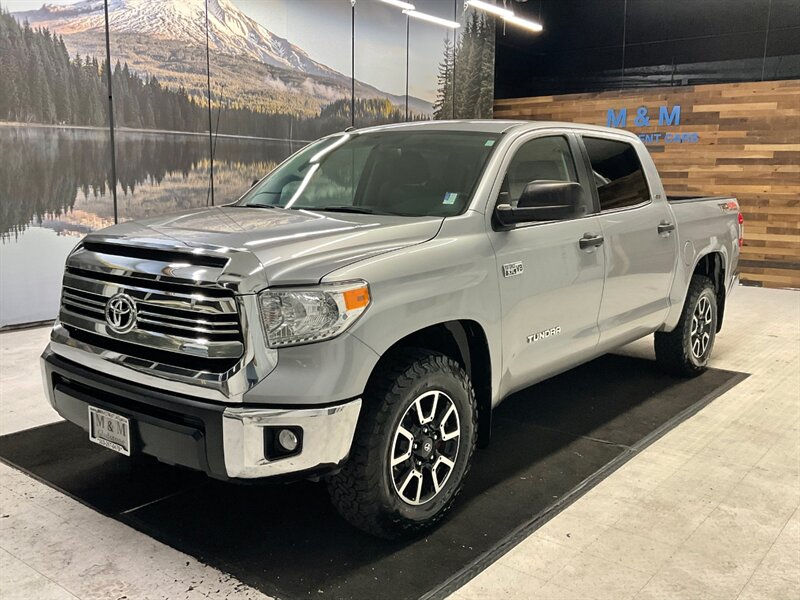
[[357, 298]]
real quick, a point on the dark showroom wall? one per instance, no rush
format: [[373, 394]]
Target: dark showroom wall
[[710, 85], [280, 75]]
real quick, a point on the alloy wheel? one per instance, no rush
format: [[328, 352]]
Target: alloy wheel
[[425, 447], [702, 323]]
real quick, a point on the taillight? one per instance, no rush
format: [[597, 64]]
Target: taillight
[[741, 229]]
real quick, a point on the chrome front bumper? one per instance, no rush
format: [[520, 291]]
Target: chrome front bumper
[[327, 436], [223, 441]]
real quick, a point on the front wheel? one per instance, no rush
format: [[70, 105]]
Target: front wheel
[[412, 447], [686, 349]]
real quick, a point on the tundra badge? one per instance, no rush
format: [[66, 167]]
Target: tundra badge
[[541, 335]]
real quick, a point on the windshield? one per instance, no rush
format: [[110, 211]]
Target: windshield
[[410, 173]]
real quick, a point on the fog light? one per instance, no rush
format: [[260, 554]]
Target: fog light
[[288, 440]]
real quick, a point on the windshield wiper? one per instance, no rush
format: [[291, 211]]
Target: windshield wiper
[[348, 208], [345, 209], [260, 206]]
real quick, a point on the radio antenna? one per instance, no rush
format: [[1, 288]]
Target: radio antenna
[[214, 145], [210, 132]]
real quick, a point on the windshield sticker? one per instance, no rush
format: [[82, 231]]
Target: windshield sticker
[[489, 143], [450, 198]]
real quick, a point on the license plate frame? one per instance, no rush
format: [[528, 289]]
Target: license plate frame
[[110, 430]]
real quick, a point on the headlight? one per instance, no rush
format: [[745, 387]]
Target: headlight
[[301, 316]]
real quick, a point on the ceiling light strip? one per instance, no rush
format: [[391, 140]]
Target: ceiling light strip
[[431, 19], [400, 4], [524, 23], [490, 8]]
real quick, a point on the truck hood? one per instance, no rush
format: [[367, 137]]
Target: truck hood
[[289, 246]]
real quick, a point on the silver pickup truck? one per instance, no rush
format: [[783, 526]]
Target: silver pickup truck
[[359, 312]]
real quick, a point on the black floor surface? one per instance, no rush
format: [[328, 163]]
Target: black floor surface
[[550, 443]]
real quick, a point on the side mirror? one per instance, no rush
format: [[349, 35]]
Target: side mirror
[[542, 200]]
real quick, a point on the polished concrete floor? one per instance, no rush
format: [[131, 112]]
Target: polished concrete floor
[[711, 510]]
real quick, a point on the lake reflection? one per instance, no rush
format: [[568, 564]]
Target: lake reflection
[[55, 188]]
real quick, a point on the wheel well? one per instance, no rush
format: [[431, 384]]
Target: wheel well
[[465, 342], [712, 265]]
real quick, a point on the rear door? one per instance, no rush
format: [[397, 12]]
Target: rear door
[[550, 286], [640, 241]]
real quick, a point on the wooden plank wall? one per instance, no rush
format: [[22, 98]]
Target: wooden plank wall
[[748, 147]]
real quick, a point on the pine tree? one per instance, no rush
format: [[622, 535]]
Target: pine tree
[[485, 104], [443, 106], [148, 117]]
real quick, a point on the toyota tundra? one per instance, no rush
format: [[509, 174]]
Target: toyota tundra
[[357, 314]]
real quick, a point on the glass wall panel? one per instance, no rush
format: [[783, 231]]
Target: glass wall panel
[[54, 150], [431, 57], [454, 67], [320, 74], [380, 50], [273, 87], [474, 66], [158, 55]]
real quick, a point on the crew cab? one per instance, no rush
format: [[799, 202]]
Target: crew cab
[[358, 313]]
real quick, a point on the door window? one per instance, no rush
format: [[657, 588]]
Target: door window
[[541, 159], [617, 173]]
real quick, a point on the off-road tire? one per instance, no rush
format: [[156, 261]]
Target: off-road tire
[[674, 349], [363, 491]]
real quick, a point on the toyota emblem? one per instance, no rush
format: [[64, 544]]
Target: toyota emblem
[[121, 313]]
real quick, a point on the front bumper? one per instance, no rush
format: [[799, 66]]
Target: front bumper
[[223, 441]]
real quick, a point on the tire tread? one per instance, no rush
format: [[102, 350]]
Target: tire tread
[[672, 354], [355, 490]]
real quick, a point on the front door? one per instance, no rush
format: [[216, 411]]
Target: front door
[[640, 242], [551, 283]]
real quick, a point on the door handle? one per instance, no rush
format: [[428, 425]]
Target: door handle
[[666, 227], [589, 241]]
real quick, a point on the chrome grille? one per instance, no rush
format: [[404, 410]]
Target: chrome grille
[[183, 317]]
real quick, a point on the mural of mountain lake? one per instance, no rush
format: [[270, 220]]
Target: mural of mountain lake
[[54, 189]]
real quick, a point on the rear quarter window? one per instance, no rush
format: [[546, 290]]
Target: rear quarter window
[[617, 173]]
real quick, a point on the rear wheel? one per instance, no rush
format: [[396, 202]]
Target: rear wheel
[[686, 349], [412, 447]]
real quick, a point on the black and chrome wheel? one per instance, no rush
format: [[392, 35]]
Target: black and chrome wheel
[[701, 332], [412, 446], [686, 349], [425, 447]]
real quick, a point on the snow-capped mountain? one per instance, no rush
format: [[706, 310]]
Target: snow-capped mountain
[[230, 30]]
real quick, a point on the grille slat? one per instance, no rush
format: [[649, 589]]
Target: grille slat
[[166, 310], [202, 322], [196, 329], [178, 285], [85, 299], [79, 281], [176, 317], [89, 307]]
